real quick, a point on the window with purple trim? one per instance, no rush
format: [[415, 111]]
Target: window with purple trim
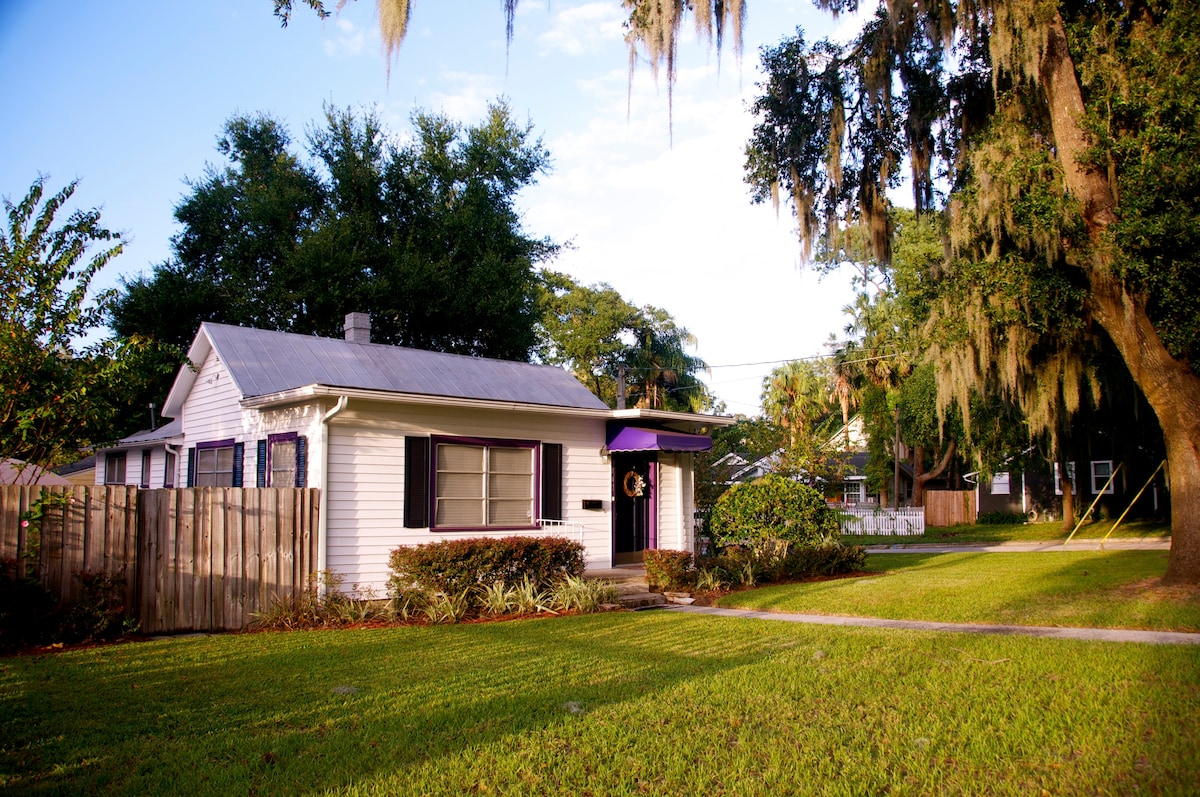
[[282, 460], [480, 484], [214, 465]]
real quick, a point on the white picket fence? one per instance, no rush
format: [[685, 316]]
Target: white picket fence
[[906, 521]]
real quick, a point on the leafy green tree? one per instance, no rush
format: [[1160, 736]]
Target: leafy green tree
[[425, 237], [57, 399], [1066, 135], [596, 333]]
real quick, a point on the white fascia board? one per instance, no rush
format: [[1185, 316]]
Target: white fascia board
[[301, 394], [188, 373], [667, 416]]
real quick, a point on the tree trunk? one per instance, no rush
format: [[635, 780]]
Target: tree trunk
[[1170, 387], [1068, 499], [921, 479]]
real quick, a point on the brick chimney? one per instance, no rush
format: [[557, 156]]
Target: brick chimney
[[358, 327]]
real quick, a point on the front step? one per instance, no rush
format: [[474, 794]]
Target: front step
[[641, 600]]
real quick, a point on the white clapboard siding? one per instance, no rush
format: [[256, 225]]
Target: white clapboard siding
[[366, 482]]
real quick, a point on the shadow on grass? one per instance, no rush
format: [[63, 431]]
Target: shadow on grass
[[308, 711]]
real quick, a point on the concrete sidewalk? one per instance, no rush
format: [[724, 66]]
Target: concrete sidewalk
[[1123, 544], [1094, 634]]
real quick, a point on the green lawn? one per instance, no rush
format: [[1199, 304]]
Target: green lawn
[[1100, 589], [630, 703], [1029, 532]]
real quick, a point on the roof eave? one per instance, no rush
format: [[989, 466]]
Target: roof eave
[[308, 392]]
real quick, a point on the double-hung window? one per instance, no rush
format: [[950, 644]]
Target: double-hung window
[[216, 464], [1102, 471], [282, 460], [1001, 484], [481, 484], [114, 467]]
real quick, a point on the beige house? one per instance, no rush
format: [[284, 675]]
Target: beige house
[[410, 446]]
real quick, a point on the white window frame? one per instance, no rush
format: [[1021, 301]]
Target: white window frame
[[1099, 480], [1002, 483], [115, 464], [1058, 479]]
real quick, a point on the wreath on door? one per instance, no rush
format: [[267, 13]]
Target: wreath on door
[[634, 485]]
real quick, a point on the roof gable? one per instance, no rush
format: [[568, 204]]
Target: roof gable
[[264, 362]]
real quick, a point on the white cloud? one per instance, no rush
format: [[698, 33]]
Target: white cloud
[[585, 29], [349, 40], [674, 227], [468, 100]]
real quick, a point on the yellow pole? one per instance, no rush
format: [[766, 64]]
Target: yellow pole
[[1103, 490], [1134, 501]]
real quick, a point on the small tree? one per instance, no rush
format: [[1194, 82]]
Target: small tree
[[772, 508]]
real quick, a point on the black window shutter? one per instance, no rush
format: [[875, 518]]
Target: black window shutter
[[416, 482], [261, 465], [552, 478], [301, 461], [191, 474], [239, 453]]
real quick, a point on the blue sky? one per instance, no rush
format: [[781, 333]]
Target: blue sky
[[129, 97]]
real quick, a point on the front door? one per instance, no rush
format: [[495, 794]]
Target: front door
[[634, 506]]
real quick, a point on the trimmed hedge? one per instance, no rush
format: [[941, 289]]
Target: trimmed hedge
[[452, 566], [828, 558]]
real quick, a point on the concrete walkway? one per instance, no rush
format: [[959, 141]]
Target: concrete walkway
[[1097, 634], [1123, 544]]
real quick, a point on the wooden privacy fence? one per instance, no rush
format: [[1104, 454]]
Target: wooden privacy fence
[[202, 558], [949, 507], [905, 521], [82, 528]]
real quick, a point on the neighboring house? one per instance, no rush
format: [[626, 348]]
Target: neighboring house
[[81, 473], [17, 471], [737, 467], [1038, 494], [412, 446], [849, 443], [147, 459]]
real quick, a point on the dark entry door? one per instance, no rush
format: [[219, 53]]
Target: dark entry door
[[633, 506]]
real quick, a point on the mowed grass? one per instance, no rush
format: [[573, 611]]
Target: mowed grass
[[982, 533], [1095, 589], [648, 703]]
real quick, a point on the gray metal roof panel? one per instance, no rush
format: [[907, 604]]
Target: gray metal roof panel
[[264, 362]]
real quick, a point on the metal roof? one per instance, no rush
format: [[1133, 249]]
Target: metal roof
[[264, 362]]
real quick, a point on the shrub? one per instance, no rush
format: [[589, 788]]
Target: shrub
[[99, 613], [452, 566], [668, 569], [772, 508], [999, 518], [830, 558], [26, 608]]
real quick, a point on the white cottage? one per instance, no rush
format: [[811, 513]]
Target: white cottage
[[410, 446]]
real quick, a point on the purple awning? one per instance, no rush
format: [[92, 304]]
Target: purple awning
[[631, 438]]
